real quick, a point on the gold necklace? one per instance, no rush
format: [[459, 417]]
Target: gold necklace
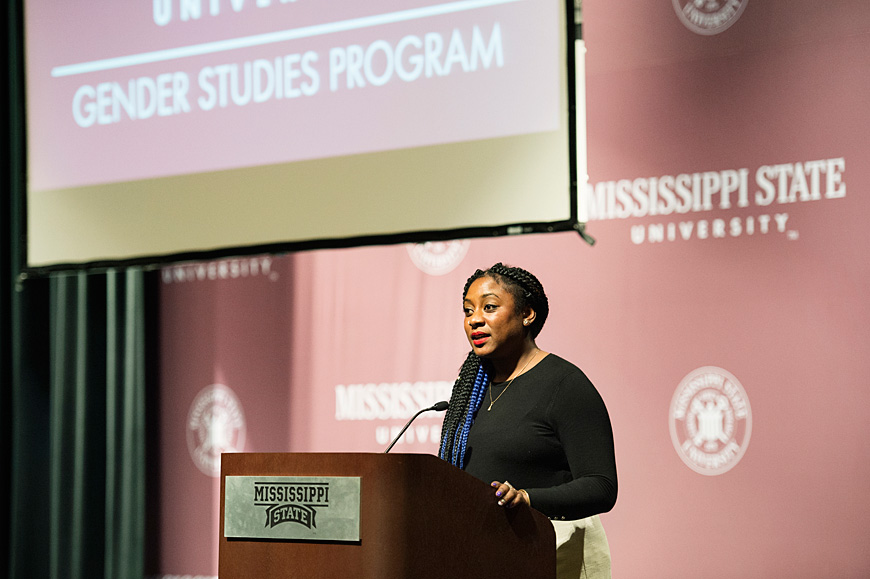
[[491, 401]]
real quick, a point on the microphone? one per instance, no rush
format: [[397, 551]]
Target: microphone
[[438, 407]]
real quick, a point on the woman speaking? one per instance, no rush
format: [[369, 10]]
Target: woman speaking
[[531, 422]]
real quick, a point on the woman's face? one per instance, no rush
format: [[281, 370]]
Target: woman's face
[[493, 326]]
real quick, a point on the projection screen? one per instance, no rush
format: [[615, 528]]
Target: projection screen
[[165, 129]]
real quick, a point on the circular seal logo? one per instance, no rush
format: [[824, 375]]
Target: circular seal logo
[[710, 420], [438, 257], [709, 17], [215, 424]]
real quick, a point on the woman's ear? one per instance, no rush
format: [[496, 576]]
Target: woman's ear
[[528, 317]]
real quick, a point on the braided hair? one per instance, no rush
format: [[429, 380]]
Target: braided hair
[[475, 373]]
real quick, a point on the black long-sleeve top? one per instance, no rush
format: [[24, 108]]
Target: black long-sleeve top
[[549, 434]]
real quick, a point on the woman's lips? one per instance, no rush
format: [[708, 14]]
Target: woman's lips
[[479, 339]]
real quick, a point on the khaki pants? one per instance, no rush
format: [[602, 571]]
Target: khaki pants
[[582, 551]]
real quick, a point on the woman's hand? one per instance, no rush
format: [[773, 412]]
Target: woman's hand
[[508, 496]]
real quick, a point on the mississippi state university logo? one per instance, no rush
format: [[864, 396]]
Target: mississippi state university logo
[[709, 17], [710, 421], [438, 257], [291, 502], [307, 508], [215, 424]]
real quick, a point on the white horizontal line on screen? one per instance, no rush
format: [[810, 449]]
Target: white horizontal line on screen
[[273, 37]]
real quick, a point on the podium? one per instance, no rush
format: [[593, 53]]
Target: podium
[[419, 517]]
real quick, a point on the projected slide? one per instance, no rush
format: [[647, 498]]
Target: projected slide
[[260, 116]]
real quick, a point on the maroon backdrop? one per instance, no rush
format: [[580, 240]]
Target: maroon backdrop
[[722, 313]]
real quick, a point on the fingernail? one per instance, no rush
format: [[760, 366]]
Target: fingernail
[[501, 502], [498, 494], [493, 484]]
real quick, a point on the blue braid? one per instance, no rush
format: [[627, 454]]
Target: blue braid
[[443, 454], [480, 382]]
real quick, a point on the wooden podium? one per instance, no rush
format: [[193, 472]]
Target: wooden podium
[[419, 518]]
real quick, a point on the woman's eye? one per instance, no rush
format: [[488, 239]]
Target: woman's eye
[[489, 307]]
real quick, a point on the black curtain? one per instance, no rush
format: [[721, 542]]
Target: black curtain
[[77, 500], [97, 425]]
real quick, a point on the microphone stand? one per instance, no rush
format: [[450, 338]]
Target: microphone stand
[[438, 406]]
